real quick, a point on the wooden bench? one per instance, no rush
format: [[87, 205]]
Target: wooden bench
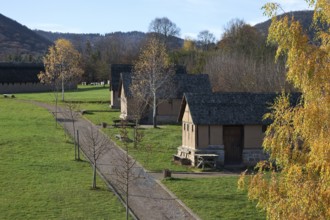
[[181, 160], [8, 96], [121, 123], [208, 160]]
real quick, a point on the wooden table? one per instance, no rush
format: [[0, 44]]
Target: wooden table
[[206, 160]]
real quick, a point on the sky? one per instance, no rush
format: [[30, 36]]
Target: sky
[[107, 16]]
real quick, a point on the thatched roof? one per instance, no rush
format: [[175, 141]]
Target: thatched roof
[[183, 83], [125, 80], [20, 72], [115, 70], [229, 108]]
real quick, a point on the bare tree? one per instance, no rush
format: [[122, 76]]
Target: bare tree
[[97, 145], [72, 110], [205, 39], [234, 72], [164, 28], [125, 169], [152, 78]]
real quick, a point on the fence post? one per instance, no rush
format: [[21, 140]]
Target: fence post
[[78, 145]]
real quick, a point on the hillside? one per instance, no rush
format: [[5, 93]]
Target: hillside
[[305, 18], [80, 40], [18, 43]]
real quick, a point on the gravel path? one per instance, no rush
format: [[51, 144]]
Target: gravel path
[[148, 198]]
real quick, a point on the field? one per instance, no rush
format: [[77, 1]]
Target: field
[[39, 178], [214, 197], [162, 143], [210, 198]]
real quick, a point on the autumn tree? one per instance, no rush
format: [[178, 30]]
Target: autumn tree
[[189, 44], [241, 37], [298, 139], [152, 75], [244, 62], [62, 65], [236, 72]]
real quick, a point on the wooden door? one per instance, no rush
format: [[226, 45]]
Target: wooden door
[[233, 141]]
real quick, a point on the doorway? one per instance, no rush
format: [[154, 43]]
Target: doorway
[[233, 139]]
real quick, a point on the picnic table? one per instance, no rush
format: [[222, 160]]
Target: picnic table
[[206, 160], [120, 123]]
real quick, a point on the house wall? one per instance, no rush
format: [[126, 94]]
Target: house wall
[[253, 136], [188, 130], [203, 136], [168, 110], [253, 151], [114, 100], [123, 105], [216, 135]]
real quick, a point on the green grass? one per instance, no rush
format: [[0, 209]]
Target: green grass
[[38, 177], [214, 198], [157, 146], [82, 94], [210, 198]]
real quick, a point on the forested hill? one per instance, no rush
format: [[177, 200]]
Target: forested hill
[[305, 18], [77, 39], [18, 42], [80, 40]]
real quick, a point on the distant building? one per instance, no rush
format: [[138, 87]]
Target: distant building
[[115, 71], [167, 110], [21, 77], [228, 126]]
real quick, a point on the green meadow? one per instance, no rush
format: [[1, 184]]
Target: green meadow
[[40, 180]]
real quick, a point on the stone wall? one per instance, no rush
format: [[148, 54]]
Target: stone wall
[[252, 156], [6, 88]]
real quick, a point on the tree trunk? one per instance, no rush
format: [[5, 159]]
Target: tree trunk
[[94, 176], [154, 112], [74, 138], [56, 100], [78, 145], [62, 90]]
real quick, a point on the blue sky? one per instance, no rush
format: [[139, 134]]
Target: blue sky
[[106, 16]]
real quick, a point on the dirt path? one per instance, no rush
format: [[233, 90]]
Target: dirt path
[[148, 198]]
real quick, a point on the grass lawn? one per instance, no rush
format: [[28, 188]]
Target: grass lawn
[[210, 198], [82, 94], [160, 143], [214, 198], [38, 177]]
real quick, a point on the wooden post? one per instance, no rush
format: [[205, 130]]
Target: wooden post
[[78, 145], [167, 173]]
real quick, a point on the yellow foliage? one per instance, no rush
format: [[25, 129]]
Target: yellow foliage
[[188, 44], [298, 140], [62, 64]]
